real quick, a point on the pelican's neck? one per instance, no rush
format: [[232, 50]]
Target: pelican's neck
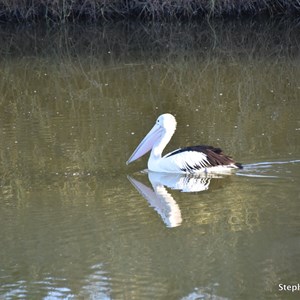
[[161, 144]]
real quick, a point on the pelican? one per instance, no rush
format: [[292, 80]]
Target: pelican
[[191, 160]]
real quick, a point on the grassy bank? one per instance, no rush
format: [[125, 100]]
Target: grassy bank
[[94, 10]]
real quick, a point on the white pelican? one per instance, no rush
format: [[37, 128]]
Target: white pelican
[[195, 159]]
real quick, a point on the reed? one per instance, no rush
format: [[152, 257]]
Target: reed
[[60, 11]]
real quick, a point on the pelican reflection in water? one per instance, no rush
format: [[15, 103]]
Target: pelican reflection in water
[[161, 200]]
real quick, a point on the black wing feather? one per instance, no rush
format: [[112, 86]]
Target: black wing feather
[[215, 156]]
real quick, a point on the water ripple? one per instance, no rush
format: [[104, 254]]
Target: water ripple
[[271, 169]]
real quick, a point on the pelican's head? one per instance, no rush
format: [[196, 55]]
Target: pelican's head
[[165, 126], [167, 122]]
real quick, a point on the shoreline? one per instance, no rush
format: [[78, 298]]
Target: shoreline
[[93, 11]]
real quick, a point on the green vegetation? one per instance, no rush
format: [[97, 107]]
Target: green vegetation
[[94, 10]]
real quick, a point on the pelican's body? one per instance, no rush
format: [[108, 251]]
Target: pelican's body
[[196, 159]]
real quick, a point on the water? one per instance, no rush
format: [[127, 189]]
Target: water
[[77, 223]]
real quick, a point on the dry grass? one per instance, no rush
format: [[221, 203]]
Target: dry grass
[[59, 11]]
